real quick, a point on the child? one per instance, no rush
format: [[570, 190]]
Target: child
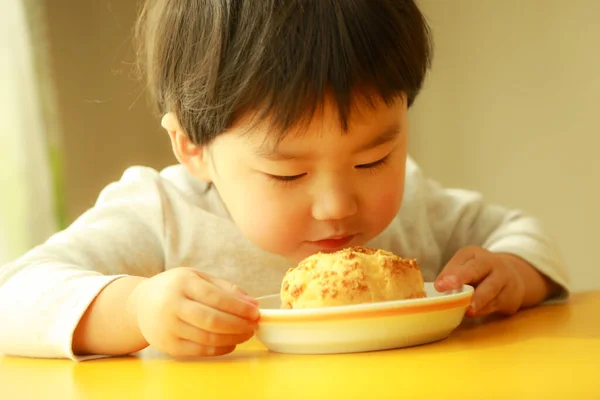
[[289, 121]]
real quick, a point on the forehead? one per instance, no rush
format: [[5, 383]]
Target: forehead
[[367, 118]]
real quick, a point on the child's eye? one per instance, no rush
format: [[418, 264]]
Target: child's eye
[[285, 179], [374, 165]]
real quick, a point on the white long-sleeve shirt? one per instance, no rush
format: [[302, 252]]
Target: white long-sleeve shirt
[[150, 221]]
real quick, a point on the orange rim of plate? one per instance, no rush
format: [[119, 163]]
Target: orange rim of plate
[[371, 313]]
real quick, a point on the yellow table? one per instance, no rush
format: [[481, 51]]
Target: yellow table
[[546, 353]]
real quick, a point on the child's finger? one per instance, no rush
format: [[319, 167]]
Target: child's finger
[[227, 287], [209, 319], [215, 297], [186, 349], [493, 306], [487, 291], [505, 303], [462, 269], [206, 338], [490, 308]]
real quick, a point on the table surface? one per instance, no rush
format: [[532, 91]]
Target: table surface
[[551, 350]]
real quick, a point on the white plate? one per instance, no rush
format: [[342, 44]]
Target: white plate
[[362, 327]]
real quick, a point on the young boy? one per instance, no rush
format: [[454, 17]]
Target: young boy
[[289, 121]]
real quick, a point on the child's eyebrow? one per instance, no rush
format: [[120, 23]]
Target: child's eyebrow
[[386, 136], [275, 154]]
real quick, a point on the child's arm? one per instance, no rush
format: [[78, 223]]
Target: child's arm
[[44, 294], [109, 325], [182, 312], [504, 253]]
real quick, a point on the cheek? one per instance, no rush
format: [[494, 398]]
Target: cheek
[[384, 198], [271, 219]]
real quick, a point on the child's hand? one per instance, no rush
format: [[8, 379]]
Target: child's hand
[[500, 287], [187, 313]]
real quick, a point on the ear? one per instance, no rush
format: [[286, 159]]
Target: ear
[[193, 157]]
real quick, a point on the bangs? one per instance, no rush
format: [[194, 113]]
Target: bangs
[[350, 52]]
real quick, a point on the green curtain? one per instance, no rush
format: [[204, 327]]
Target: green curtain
[[31, 185]]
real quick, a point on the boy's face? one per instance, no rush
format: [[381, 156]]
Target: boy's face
[[320, 190]]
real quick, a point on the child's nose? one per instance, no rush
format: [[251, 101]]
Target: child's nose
[[334, 204]]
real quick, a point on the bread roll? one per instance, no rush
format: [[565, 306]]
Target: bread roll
[[351, 276]]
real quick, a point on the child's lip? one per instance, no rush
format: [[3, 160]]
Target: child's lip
[[335, 242]]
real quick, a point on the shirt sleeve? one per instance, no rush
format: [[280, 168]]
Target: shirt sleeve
[[460, 218], [44, 294]]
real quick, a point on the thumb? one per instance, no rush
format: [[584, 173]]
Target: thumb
[[227, 286], [239, 291], [464, 268]]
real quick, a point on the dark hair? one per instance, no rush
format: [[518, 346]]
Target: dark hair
[[210, 61]]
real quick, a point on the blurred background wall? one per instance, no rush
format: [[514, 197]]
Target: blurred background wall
[[107, 124]]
